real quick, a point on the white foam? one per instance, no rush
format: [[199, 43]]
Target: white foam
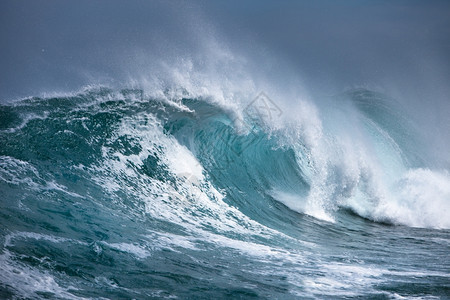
[[9, 239], [137, 250], [17, 172], [344, 280], [300, 204], [26, 281], [420, 198], [352, 162], [192, 203]]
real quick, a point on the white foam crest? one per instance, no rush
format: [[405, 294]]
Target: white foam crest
[[343, 167], [301, 128], [374, 181], [216, 75], [192, 203], [351, 162], [56, 94], [338, 160], [420, 198]]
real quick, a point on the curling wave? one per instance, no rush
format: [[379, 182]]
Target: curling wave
[[188, 173]]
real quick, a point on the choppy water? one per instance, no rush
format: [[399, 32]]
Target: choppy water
[[113, 194]]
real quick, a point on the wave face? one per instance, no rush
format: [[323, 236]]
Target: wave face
[[116, 194]]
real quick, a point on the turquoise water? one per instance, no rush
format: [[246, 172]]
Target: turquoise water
[[113, 194]]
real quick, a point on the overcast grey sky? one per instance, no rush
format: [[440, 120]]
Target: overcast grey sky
[[332, 45]]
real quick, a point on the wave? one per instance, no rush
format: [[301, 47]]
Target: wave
[[359, 153], [174, 187]]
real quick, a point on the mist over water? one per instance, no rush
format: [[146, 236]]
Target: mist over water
[[310, 49], [235, 149]]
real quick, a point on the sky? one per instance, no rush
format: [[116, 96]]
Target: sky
[[402, 47]]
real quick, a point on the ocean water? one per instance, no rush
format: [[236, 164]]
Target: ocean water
[[123, 194]]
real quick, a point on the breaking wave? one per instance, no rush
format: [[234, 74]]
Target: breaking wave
[[106, 171]]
